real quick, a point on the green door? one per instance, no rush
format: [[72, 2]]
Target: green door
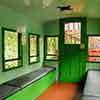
[[73, 49]]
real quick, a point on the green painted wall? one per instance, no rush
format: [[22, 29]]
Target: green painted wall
[[11, 19], [93, 26], [35, 89], [51, 27]]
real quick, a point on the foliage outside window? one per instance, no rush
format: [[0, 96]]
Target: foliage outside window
[[94, 48], [51, 49], [33, 48], [72, 33], [11, 49]]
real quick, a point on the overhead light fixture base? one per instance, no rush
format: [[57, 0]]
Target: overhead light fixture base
[[65, 7]]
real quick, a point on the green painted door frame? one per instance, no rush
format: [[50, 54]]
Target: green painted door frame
[[72, 63]]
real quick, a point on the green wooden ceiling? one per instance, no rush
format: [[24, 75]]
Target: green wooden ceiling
[[88, 8]]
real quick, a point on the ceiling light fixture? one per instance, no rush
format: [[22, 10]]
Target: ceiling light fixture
[[65, 7], [46, 3], [27, 3]]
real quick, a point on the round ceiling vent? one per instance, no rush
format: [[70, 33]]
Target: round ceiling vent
[[46, 3]]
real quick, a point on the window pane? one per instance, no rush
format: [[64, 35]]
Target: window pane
[[94, 59], [33, 48], [52, 57], [12, 64], [52, 48], [94, 48], [52, 45], [11, 45], [72, 33], [33, 45], [33, 59]]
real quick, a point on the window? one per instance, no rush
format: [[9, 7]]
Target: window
[[33, 48], [94, 48], [51, 47], [72, 33], [11, 49]]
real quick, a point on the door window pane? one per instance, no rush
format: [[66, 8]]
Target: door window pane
[[72, 33]]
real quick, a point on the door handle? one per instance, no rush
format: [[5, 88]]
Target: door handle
[[82, 46]]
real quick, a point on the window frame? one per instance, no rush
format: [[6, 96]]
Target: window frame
[[93, 35], [19, 50], [38, 53], [45, 47]]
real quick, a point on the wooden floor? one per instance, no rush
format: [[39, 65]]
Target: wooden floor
[[60, 91]]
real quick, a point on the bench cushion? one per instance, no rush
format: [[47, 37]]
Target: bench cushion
[[27, 79], [92, 84], [89, 98]]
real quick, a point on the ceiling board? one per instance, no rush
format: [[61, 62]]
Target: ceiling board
[[89, 8]]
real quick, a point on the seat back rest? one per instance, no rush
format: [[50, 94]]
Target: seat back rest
[[92, 84]]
